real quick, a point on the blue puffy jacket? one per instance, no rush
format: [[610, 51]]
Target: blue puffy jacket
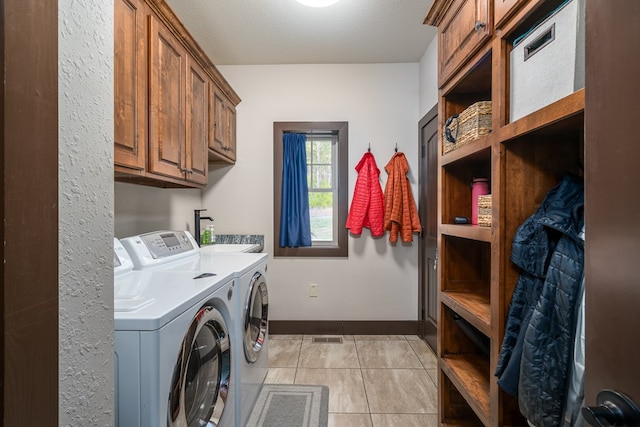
[[537, 346]]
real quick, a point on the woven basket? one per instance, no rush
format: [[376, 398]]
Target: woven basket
[[484, 210], [472, 123]]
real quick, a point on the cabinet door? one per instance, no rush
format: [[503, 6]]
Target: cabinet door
[[130, 84], [465, 27], [197, 123], [502, 9], [166, 102], [230, 120], [218, 122]]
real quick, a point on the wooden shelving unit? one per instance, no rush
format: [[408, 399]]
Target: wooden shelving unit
[[523, 160]]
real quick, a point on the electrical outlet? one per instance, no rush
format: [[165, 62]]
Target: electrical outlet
[[313, 290]]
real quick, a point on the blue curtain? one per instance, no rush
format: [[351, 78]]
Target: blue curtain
[[295, 228]]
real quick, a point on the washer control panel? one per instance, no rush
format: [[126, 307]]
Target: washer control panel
[[163, 244], [160, 247]]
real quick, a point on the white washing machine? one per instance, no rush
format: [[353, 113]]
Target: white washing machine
[[174, 358], [250, 334]]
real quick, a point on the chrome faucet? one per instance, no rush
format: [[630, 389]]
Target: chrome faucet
[[196, 227]]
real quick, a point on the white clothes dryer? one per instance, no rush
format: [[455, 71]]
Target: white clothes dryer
[[252, 354], [174, 359]]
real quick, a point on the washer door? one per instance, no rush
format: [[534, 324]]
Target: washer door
[[256, 317], [201, 377]]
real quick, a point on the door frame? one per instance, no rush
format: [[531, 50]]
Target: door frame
[[427, 331], [29, 124]]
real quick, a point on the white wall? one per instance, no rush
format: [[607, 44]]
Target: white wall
[[429, 78], [140, 209], [378, 281], [85, 77]]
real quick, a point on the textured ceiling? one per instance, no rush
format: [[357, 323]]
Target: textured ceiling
[[240, 32]]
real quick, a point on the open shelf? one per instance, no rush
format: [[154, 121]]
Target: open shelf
[[467, 231], [467, 265], [470, 375], [454, 407], [480, 149], [456, 186], [564, 115], [474, 307]]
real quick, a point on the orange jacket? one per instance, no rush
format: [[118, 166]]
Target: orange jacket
[[400, 212], [367, 205]]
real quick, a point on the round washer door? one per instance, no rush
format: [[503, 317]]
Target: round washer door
[[256, 317], [201, 377]]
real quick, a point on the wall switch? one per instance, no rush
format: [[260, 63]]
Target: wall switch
[[313, 290]]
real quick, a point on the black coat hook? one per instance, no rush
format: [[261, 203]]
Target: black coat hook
[[369, 149], [396, 149]]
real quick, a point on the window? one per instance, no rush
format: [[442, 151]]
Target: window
[[327, 152]]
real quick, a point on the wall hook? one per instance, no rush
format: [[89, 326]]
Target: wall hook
[[396, 149], [369, 149]]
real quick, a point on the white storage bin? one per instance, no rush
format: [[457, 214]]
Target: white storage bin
[[548, 63]]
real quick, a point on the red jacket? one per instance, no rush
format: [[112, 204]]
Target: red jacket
[[367, 206], [400, 213]]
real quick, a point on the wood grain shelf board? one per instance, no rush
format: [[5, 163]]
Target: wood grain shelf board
[[550, 117], [474, 307], [469, 373], [478, 149], [465, 231]]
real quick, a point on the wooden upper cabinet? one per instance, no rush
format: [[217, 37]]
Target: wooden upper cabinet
[[463, 27], [223, 128], [168, 124], [502, 9], [197, 137], [167, 139], [130, 85]]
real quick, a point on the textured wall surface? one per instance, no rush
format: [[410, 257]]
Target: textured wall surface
[[85, 72]]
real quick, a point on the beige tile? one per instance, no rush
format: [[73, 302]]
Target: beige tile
[[404, 420], [433, 374], [424, 353], [328, 355], [400, 391], [285, 337], [380, 338], [346, 388], [349, 420], [412, 338], [280, 376], [284, 353], [387, 354]]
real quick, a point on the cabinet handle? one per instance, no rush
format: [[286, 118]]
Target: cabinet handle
[[479, 25]]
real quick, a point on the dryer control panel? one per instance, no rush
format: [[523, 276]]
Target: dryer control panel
[[159, 247]]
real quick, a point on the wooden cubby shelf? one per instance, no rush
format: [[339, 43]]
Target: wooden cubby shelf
[[566, 114], [474, 307], [473, 232], [521, 161], [469, 373], [478, 149]]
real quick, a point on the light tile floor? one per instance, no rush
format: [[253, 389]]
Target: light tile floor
[[374, 380]]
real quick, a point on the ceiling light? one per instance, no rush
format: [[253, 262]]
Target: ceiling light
[[318, 3]]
